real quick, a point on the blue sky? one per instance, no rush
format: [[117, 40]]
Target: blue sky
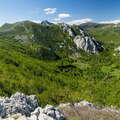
[[60, 10]]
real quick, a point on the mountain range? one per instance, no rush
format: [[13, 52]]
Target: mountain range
[[61, 63]]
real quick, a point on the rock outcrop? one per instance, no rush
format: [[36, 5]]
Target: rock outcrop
[[18, 103], [22, 107], [87, 43], [68, 29], [82, 40]]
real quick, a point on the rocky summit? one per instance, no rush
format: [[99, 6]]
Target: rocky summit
[[22, 107]]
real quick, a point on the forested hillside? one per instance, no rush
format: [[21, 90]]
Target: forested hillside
[[40, 59]]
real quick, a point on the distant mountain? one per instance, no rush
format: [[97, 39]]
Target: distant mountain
[[91, 25], [45, 22], [88, 25]]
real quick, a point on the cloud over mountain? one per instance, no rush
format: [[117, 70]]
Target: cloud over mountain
[[111, 22], [79, 21], [64, 15], [50, 10]]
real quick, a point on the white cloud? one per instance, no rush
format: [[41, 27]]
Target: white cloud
[[50, 10], [110, 22], [63, 15], [36, 21], [79, 21]]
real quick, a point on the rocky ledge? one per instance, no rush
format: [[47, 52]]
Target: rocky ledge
[[22, 107]]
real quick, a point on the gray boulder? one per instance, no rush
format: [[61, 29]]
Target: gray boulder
[[53, 112], [22, 107], [18, 103]]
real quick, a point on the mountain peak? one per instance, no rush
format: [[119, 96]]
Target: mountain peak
[[45, 22]]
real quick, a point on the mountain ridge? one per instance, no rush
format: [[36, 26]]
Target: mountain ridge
[[29, 32]]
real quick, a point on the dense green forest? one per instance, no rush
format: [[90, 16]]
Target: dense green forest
[[54, 75]]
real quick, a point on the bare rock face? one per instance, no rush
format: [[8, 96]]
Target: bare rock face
[[68, 29], [22, 107], [82, 40], [87, 43], [18, 103]]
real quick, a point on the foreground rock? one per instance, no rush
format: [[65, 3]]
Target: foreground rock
[[22, 107], [18, 103]]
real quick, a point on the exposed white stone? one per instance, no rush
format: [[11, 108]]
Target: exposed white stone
[[87, 44], [79, 104], [84, 103], [18, 103], [83, 41], [22, 107], [64, 105], [53, 112], [67, 28], [45, 117]]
